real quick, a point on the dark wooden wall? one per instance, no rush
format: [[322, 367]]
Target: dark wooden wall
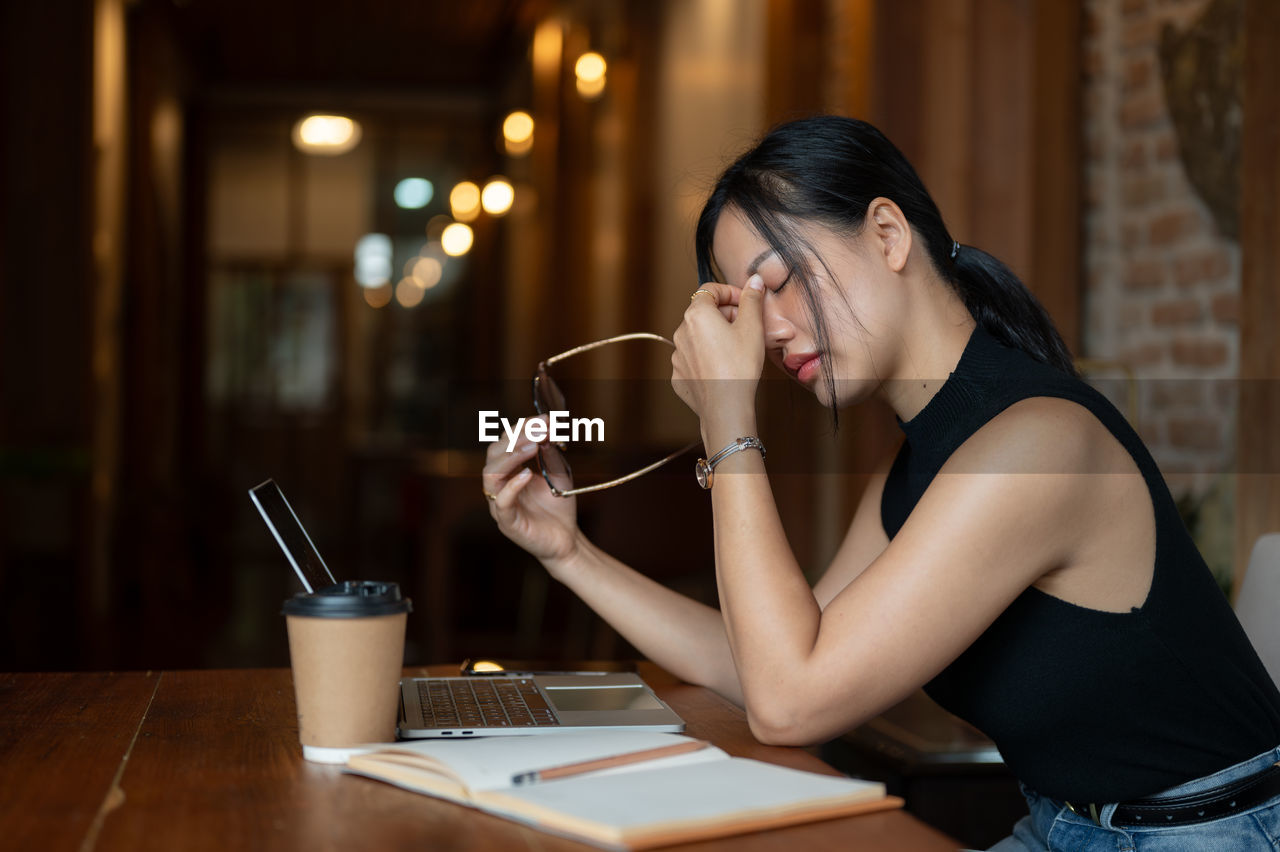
[[1258, 419], [47, 291]]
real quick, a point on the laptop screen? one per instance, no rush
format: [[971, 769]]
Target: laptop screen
[[292, 538]]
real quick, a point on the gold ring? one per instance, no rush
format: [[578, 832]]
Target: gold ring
[[488, 496], [700, 291]]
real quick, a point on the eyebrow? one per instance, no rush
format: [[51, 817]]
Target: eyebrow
[[754, 266]]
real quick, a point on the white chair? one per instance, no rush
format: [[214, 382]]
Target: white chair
[[1258, 602]]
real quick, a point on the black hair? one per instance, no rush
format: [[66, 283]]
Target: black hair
[[827, 170]]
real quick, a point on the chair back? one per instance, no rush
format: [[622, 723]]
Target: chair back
[[1258, 602]]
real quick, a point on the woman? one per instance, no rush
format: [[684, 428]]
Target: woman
[[1064, 612]]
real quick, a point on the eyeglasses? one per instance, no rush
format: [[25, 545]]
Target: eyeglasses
[[548, 397]]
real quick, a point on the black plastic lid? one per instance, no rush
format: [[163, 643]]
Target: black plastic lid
[[350, 599]]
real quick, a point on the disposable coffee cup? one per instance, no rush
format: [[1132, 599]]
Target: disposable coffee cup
[[346, 646]]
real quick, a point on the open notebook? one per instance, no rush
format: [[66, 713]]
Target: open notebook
[[692, 796]]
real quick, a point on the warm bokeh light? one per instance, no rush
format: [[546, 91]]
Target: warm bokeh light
[[497, 196], [456, 239], [590, 89], [373, 260], [518, 127], [517, 149], [377, 297], [517, 133], [590, 67], [414, 193], [408, 293], [327, 135], [464, 200], [590, 70], [548, 46], [427, 272]]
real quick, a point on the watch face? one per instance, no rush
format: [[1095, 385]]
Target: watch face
[[702, 471]]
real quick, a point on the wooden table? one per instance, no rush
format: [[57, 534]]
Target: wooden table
[[196, 760]]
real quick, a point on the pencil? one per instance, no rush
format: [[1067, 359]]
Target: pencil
[[568, 770]]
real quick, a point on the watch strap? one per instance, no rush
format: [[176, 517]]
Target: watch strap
[[705, 468]]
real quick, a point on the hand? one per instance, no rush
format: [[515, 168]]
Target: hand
[[524, 507], [719, 354]]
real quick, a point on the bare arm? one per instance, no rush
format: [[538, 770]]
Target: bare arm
[[684, 636], [973, 543]]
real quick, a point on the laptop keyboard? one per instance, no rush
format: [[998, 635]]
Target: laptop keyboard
[[464, 702]]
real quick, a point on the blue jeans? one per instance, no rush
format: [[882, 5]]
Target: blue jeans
[[1052, 826]]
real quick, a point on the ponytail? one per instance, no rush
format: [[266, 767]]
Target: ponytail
[[1006, 309]]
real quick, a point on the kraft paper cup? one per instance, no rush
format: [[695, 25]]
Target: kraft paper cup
[[346, 648]]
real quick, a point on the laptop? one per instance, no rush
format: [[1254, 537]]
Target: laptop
[[509, 703]]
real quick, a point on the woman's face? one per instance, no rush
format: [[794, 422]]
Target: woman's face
[[860, 310]]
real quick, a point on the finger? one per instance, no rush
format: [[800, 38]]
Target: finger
[[504, 502], [721, 294], [751, 306], [726, 294], [498, 449], [496, 473]]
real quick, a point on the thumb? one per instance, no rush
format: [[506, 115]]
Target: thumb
[[751, 304]]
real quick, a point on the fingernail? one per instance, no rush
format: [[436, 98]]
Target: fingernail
[[755, 282], [529, 447], [524, 474]]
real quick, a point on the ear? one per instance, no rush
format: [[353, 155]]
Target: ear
[[890, 232]]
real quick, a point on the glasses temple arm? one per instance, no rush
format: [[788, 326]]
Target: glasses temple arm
[[586, 489], [587, 347]]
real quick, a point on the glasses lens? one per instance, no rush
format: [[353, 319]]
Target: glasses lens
[[547, 395], [555, 468]]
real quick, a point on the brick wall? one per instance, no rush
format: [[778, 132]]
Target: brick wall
[[1163, 285]]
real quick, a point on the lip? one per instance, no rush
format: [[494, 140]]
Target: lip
[[803, 366]]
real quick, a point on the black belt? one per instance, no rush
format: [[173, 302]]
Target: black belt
[[1231, 798]]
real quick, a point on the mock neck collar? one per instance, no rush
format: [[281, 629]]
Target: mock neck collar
[[978, 367]]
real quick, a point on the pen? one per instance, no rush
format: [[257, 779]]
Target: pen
[[570, 769]]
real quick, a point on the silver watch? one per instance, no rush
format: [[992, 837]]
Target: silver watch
[[705, 468]]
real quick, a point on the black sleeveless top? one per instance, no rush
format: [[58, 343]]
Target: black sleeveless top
[[1086, 705]]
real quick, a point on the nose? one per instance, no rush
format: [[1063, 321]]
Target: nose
[[778, 329]]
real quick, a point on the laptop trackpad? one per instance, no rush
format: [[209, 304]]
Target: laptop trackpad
[[589, 698]]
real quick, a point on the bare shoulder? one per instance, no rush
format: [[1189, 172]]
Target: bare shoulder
[[1043, 435]]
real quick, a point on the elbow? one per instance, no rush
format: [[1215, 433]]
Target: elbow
[[777, 726]]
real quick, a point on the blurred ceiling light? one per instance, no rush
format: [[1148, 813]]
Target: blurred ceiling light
[[408, 293], [548, 44], [590, 70], [326, 135], [590, 89], [373, 260], [497, 196], [427, 272], [590, 67], [464, 200], [377, 297], [517, 133], [414, 193], [456, 239]]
